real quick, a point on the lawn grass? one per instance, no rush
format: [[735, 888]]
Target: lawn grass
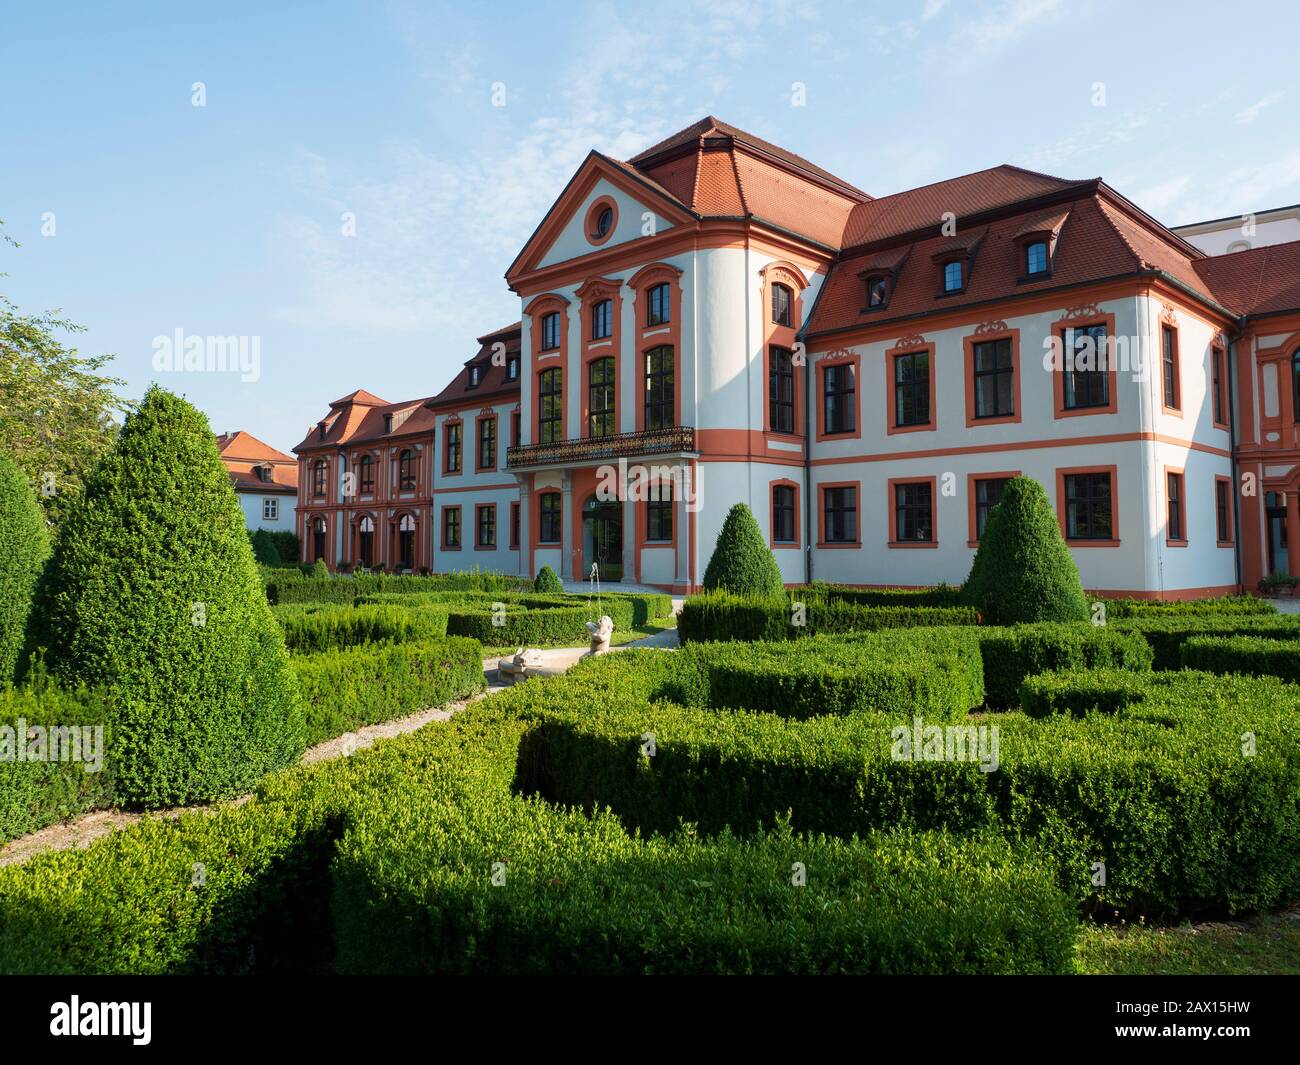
[[1268, 945]]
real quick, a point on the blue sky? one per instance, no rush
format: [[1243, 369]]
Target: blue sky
[[226, 219]]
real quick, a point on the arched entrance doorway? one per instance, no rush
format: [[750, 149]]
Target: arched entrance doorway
[[602, 539], [406, 542], [318, 540], [366, 541]]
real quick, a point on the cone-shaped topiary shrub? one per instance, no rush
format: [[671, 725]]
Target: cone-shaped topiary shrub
[[152, 593], [742, 563], [264, 549], [24, 547], [547, 581], [1023, 571], [319, 570]]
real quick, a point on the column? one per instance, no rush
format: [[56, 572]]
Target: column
[[682, 524], [566, 527], [525, 536], [629, 540]]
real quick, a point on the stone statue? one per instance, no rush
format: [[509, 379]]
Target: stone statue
[[600, 631], [522, 665]]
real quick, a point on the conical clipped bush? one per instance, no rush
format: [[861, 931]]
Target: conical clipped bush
[[152, 593], [264, 549], [742, 563], [547, 581], [24, 547], [1023, 570]]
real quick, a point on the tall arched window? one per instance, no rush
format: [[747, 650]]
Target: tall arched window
[[318, 540], [366, 538], [660, 395], [600, 398], [406, 541], [406, 465], [550, 406], [367, 475], [319, 472]]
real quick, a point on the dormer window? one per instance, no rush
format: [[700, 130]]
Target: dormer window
[[551, 331], [877, 291], [954, 276], [512, 368], [782, 305], [388, 423], [1035, 258], [475, 376]]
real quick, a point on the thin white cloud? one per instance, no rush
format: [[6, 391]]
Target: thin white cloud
[[1090, 145], [1248, 114], [1157, 198]]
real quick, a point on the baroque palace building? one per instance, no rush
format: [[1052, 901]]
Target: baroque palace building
[[718, 320]]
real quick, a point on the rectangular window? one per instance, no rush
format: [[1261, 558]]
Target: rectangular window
[[1169, 364], [1087, 365], [600, 320], [515, 429], [839, 399], [952, 276], [514, 526], [913, 513], [367, 476], [1217, 359], [657, 307], [1223, 510], [783, 514], [781, 305], [1174, 519], [780, 390], [551, 331], [840, 515], [912, 389], [487, 525], [1088, 507], [548, 531], [487, 444], [550, 406], [1036, 258], [660, 392], [994, 379], [659, 514], [988, 494], [451, 527], [512, 368], [453, 447], [270, 509]]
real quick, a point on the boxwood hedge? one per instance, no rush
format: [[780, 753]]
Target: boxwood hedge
[[1159, 789], [346, 688], [1244, 654], [415, 856], [1167, 634], [317, 627]]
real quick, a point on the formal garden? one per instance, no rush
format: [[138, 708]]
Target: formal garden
[[1005, 777]]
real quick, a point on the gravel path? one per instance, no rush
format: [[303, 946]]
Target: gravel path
[[84, 830]]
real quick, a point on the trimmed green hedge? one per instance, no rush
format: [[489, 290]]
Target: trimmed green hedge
[[1228, 604], [721, 616], [393, 853], [34, 794], [347, 688], [941, 595], [313, 627], [1159, 788], [1166, 635], [1012, 654], [291, 586], [1244, 654], [24, 548]]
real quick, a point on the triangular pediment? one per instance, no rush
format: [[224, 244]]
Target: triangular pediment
[[640, 208]]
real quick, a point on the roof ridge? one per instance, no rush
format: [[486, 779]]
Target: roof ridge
[[1115, 228], [977, 173]]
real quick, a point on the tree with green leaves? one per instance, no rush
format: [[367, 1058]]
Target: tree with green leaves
[[742, 563], [58, 412], [1023, 570], [24, 547], [152, 594]]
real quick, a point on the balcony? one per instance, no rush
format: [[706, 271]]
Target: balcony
[[602, 448]]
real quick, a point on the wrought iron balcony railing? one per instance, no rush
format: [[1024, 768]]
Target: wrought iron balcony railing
[[650, 442]]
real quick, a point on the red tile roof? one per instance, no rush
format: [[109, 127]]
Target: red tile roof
[[362, 416], [1259, 281], [242, 445], [243, 454]]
